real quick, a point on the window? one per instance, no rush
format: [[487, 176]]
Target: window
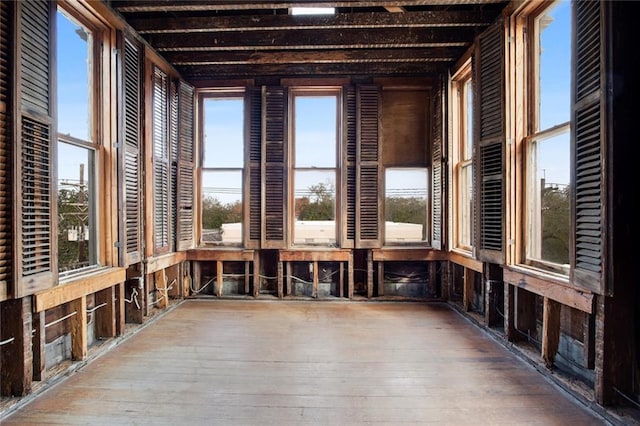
[[405, 157], [77, 145], [547, 146], [462, 154], [222, 169], [314, 167]]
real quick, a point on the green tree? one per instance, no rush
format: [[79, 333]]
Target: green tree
[[320, 205], [556, 224], [407, 210], [72, 213], [215, 213]]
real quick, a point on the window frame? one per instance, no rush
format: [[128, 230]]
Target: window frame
[[95, 147], [532, 135], [227, 93], [461, 159], [315, 91]]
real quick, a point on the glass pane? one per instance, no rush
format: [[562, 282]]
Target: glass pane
[[315, 131], [468, 96], [222, 207], [405, 205], [76, 201], [465, 206], [549, 206], [74, 79], [224, 132], [555, 65], [315, 208]]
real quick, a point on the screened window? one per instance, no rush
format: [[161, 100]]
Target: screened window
[[314, 167], [77, 145], [463, 155], [222, 170], [547, 145]]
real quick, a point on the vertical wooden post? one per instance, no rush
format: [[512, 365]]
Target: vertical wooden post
[[120, 310], [39, 341], [380, 278], [17, 359], [589, 340], [280, 273], [288, 282], [350, 278], [314, 291], [550, 330], [468, 289], [369, 273], [162, 296], [247, 274], [509, 312], [106, 315], [256, 273], [341, 280], [78, 324], [219, 277]]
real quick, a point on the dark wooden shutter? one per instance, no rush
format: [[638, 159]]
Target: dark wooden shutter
[[350, 148], [161, 173], [35, 150], [6, 149], [368, 198], [186, 164], [588, 141], [173, 159], [437, 129], [130, 110], [490, 144], [253, 177], [275, 167]]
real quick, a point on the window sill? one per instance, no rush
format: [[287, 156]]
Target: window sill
[[79, 285]]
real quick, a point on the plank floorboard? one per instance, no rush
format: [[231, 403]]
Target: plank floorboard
[[238, 362]]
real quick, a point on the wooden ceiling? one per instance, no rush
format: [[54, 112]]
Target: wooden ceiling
[[227, 39]]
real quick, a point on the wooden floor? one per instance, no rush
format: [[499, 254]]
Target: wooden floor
[[228, 362]]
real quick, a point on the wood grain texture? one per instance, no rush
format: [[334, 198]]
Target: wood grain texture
[[233, 362]]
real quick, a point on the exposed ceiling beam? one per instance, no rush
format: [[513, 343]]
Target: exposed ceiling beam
[[315, 56], [196, 5], [371, 20], [317, 39]]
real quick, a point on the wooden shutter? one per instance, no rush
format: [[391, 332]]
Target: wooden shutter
[[490, 143], [253, 177], [350, 148], [6, 149], [161, 172], [437, 178], [129, 122], [275, 167], [173, 160], [186, 164], [587, 145], [35, 210], [368, 198]]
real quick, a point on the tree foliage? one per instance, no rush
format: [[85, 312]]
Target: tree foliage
[[215, 213], [320, 205], [556, 224]]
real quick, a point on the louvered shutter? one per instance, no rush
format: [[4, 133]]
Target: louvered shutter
[[253, 177], [35, 211], [490, 144], [161, 169], [588, 141], [173, 159], [275, 167], [129, 122], [368, 199], [6, 149], [186, 163], [437, 128], [350, 148]]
